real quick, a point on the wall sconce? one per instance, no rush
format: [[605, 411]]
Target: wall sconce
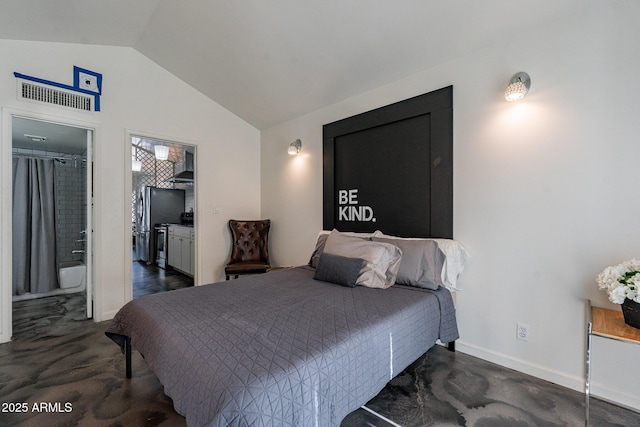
[[294, 147], [136, 165], [162, 152], [518, 87]]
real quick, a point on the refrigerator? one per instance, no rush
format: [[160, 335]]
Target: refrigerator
[[155, 206]]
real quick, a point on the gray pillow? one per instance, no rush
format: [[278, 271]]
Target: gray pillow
[[421, 264], [338, 269], [322, 239], [382, 259], [315, 256]]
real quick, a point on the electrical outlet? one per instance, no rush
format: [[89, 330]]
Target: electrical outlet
[[522, 332]]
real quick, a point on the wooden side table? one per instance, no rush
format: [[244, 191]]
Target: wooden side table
[[606, 324]]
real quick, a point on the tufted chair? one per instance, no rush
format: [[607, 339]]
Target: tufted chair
[[249, 247]]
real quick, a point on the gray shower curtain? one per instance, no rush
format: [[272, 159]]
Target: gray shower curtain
[[35, 266]]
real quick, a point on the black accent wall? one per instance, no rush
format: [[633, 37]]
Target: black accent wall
[[391, 169]]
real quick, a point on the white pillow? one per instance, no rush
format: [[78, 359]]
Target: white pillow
[[350, 233], [455, 258], [382, 260]]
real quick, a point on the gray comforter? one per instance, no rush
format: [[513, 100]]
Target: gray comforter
[[281, 349]]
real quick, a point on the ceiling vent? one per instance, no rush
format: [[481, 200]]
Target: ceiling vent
[[53, 95]]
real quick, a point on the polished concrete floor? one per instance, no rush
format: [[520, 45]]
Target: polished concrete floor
[[61, 360], [150, 279]]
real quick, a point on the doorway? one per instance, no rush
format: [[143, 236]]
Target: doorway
[[52, 215], [162, 215]]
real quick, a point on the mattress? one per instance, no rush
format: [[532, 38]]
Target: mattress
[[281, 349]]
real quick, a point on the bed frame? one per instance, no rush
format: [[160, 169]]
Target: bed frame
[[389, 169]]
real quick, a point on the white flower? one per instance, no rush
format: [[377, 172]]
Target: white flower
[[621, 281], [632, 265], [617, 295]]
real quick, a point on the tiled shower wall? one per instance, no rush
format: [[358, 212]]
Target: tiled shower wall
[[71, 209]]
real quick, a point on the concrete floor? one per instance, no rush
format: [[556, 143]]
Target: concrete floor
[[66, 362]]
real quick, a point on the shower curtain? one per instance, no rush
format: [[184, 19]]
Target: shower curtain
[[35, 266]]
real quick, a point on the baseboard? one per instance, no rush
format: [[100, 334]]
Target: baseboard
[[615, 397], [570, 381]]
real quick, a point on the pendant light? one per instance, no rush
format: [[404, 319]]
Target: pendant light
[[161, 151]]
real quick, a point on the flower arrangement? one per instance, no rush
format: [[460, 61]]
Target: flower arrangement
[[621, 281]]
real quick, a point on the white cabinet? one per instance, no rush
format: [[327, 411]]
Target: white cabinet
[[181, 249]]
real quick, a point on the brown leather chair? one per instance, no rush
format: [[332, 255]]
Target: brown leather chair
[[249, 247]]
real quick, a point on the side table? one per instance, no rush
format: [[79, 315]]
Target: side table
[[606, 324]]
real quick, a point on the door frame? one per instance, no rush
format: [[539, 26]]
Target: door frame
[[128, 238], [6, 189]]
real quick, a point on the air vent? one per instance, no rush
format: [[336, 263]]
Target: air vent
[[52, 95]]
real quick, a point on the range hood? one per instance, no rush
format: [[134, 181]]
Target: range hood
[[183, 169]]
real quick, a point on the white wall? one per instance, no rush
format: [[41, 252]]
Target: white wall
[[545, 190], [138, 96]]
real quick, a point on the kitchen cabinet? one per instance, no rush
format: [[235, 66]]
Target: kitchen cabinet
[[181, 249]]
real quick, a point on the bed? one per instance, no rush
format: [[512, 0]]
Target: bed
[[281, 349], [305, 346]]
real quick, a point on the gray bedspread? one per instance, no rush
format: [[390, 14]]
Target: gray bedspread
[[281, 349]]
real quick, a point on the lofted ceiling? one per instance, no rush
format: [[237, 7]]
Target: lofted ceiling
[[269, 61]]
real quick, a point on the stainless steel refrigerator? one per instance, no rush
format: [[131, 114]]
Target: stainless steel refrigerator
[[155, 206]]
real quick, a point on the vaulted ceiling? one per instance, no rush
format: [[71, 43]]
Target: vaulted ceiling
[[269, 61]]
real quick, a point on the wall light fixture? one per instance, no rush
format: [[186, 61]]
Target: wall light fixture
[[162, 152], [294, 147], [518, 87], [136, 165]]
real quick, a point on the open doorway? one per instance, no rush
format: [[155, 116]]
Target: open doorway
[[52, 218], [162, 215]]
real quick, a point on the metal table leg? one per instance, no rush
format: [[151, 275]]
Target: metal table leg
[[127, 355], [588, 376]]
